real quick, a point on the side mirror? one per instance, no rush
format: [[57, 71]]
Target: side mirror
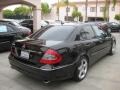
[[104, 35], [62, 23], [109, 30]]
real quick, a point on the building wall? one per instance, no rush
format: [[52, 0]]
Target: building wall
[[81, 8]]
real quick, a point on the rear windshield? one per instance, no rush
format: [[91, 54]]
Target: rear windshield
[[56, 33]]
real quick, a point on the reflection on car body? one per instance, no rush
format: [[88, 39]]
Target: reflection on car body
[[61, 51]]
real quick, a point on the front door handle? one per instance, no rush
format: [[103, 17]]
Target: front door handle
[[88, 44], [101, 40]]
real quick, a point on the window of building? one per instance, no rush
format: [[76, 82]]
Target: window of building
[[92, 9], [102, 9], [113, 9], [67, 9]]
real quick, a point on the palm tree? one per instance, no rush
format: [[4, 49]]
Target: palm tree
[[86, 7], [114, 2], [58, 11], [67, 4], [96, 10], [64, 3], [106, 10], [76, 14]]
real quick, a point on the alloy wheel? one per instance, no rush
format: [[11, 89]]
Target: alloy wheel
[[83, 68]]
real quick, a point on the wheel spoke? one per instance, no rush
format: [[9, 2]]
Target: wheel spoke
[[82, 68]]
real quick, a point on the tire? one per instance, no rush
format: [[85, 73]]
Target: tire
[[113, 48], [81, 70]]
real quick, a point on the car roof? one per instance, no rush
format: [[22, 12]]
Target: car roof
[[71, 24], [4, 21]]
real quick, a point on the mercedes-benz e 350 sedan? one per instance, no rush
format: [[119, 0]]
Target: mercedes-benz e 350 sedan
[[61, 52]]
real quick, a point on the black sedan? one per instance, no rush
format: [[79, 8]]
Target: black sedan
[[115, 27], [16, 24], [29, 24], [9, 33], [61, 52]]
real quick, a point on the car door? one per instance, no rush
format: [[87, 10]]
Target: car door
[[91, 43], [85, 41], [103, 43], [4, 37], [13, 32]]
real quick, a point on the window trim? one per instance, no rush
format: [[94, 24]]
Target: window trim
[[80, 28], [92, 9], [6, 28], [96, 36]]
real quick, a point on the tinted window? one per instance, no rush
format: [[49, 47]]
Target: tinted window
[[98, 31], [87, 33], [57, 33], [10, 29], [30, 22], [27, 21], [114, 24], [3, 28]]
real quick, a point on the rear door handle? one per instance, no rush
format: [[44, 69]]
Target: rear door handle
[[88, 44]]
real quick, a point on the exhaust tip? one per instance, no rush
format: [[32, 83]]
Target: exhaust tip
[[46, 81]]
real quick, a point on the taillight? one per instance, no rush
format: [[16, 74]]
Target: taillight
[[51, 57]]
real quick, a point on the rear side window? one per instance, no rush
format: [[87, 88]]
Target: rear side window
[[3, 28], [27, 21], [10, 29], [114, 24], [57, 33], [98, 31], [87, 33]]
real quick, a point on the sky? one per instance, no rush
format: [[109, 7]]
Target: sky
[[12, 7]]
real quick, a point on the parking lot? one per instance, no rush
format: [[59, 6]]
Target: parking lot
[[104, 75]]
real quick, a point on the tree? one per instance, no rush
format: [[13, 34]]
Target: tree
[[76, 14], [45, 8], [114, 2], [58, 10], [106, 10], [8, 14], [67, 4], [117, 17], [22, 12], [86, 8], [64, 3], [96, 10]]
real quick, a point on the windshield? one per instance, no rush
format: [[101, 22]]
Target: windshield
[[56, 33]]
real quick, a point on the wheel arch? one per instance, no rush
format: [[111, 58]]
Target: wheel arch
[[85, 55]]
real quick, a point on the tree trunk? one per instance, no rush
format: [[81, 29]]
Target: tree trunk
[[58, 11], [108, 11], [86, 7], [96, 10], [67, 3]]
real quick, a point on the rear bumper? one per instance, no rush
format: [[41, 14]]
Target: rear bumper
[[43, 75]]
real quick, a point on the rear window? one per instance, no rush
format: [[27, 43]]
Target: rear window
[[56, 33]]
